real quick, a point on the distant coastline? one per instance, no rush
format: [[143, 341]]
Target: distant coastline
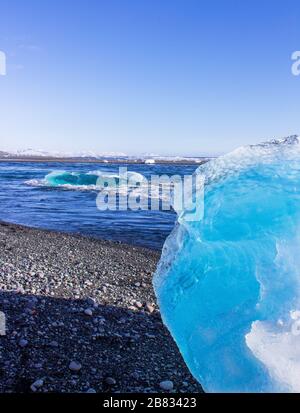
[[137, 161]]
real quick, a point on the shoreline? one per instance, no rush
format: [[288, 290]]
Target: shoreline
[[81, 316], [89, 237]]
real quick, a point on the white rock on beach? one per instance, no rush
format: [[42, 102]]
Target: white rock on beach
[[166, 385], [88, 312], [150, 308]]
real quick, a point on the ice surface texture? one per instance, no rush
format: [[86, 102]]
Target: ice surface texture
[[228, 286]]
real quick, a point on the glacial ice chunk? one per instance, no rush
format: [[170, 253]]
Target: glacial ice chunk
[[228, 286]]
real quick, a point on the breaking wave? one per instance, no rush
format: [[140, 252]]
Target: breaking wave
[[76, 180]]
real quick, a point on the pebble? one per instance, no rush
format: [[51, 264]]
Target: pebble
[[75, 366], [23, 342], [150, 308], [37, 384], [110, 381], [138, 304], [88, 312], [166, 385], [92, 302], [91, 391]]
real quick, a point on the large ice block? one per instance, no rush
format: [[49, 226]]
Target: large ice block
[[228, 285]]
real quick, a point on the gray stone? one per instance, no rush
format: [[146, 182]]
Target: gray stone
[[23, 342], [166, 385], [88, 312], [110, 381], [75, 366]]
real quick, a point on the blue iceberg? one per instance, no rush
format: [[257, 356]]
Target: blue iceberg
[[228, 285]]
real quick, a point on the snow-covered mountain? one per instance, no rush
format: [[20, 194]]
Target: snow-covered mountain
[[90, 155], [32, 153], [39, 153]]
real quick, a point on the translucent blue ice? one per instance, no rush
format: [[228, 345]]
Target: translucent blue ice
[[228, 286]]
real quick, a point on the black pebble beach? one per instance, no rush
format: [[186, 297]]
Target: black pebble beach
[[81, 316]]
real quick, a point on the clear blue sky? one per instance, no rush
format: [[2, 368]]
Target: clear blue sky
[[163, 76]]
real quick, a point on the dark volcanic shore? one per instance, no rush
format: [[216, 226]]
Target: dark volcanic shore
[[81, 317]]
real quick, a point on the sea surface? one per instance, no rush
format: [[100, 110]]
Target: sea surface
[[62, 196]]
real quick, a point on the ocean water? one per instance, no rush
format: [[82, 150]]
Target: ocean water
[[62, 196]]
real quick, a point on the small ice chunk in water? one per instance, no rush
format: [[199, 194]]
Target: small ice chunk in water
[[228, 285]]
